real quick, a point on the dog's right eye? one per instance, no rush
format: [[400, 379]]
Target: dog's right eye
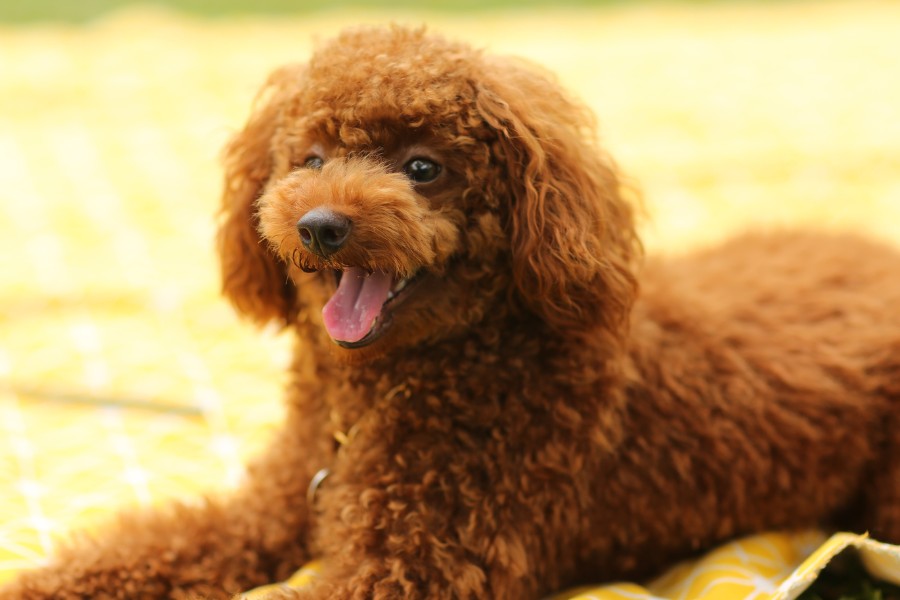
[[313, 162]]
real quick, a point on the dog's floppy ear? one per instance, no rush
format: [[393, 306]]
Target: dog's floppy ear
[[573, 240], [252, 277]]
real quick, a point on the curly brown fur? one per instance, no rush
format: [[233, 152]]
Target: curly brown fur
[[523, 419]]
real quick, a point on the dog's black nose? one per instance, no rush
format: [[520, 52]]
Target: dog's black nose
[[324, 231]]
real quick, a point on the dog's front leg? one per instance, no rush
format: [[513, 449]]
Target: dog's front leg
[[418, 520], [427, 567], [209, 549]]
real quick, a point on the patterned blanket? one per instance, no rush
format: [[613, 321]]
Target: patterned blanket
[[125, 380]]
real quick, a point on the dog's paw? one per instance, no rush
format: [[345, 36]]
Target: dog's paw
[[351, 590], [306, 593]]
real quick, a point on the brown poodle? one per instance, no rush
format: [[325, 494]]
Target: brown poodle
[[500, 413]]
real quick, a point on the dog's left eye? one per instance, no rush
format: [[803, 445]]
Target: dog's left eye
[[422, 170]]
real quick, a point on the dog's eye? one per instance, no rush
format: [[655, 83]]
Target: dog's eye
[[422, 170], [313, 162]]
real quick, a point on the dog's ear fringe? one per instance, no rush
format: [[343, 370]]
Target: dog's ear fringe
[[253, 279], [573, 240]]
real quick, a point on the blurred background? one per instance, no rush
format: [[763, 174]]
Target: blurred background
[[125, 380]]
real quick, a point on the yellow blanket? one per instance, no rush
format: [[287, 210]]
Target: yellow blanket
[[124, 379], [764, 567]]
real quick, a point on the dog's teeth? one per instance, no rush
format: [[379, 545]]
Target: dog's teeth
[[390, 295], [400, 285]]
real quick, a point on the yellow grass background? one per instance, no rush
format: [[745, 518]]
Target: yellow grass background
[[728, 116]]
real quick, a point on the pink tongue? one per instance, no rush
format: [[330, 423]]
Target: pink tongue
[[351, 312]]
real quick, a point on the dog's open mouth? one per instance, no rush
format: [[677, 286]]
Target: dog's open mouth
[[361, 308]]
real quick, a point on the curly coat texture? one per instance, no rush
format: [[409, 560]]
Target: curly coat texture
[[520, 418]]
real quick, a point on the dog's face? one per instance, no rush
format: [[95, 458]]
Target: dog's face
[[376, 234], [400, 189]]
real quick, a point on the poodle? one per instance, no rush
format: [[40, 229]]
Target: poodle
[[494, 393]]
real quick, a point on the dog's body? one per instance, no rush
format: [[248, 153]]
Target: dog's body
[[512, 416]]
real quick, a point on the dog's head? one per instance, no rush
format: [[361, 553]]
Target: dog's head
[[400, 188]]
